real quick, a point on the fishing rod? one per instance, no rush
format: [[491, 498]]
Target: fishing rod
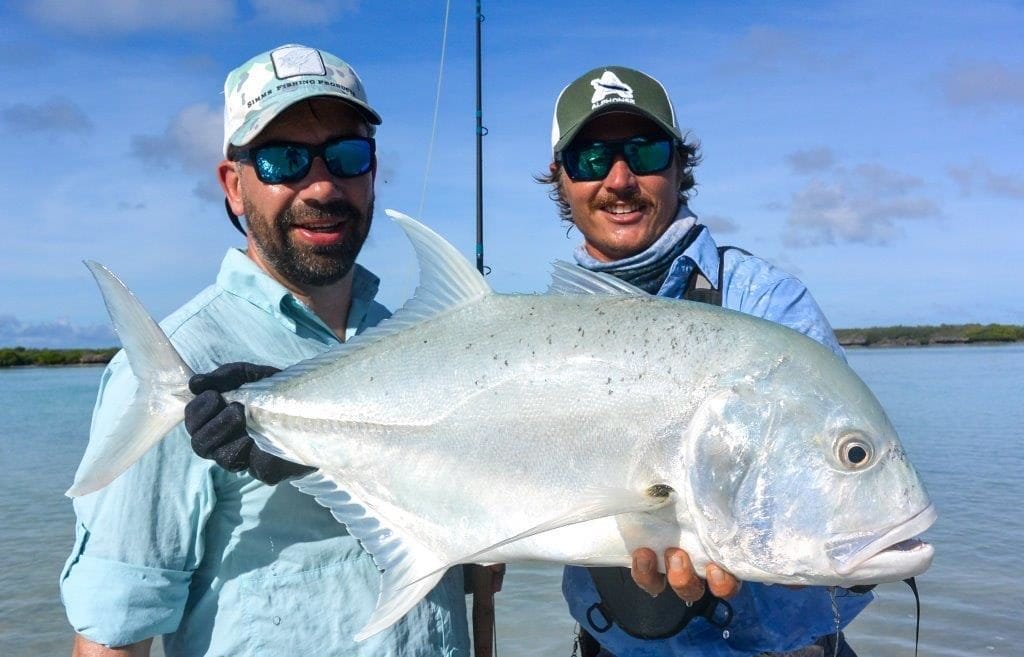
[[481, 131], [484, 631]]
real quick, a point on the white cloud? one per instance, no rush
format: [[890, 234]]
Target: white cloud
[[865, 204], [57, 114], [979, 175], [127, 16], [983, 84], [766, 50], [303, 12], [193, 140], [812, 160], [59, 334], [719, 225]]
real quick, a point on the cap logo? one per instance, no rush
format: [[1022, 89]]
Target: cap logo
[[609, 88], [298, 60]]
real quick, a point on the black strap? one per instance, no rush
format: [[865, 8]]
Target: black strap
[[233, 217], [639, 615], [698, 287]]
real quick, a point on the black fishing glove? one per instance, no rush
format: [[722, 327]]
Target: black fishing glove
[[217, 428]]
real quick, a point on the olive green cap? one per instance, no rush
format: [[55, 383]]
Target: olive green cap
[[610, 89]]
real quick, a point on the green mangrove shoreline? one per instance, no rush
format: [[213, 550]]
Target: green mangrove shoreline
[[924, 336], [885, 336], [22, 357]]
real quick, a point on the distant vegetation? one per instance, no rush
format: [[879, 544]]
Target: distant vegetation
[[915, 336], [13, 356], [886, 336]]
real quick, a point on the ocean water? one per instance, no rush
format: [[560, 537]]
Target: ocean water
[[959, 410]]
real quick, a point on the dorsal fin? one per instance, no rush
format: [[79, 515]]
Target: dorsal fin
[[573, 279], [447, 281]]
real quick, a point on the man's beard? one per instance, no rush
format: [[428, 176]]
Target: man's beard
[[308, 264]]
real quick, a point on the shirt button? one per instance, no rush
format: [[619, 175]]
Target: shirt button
[[277, 620]]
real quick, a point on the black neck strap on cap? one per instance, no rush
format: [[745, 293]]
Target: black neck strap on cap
[[233, 217]]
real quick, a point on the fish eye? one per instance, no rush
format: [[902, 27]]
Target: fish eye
[[854, 451]]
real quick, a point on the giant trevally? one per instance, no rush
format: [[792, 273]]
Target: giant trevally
[[571, 427]]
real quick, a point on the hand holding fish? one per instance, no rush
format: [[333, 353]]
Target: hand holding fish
[[682, 577], [218, 429]]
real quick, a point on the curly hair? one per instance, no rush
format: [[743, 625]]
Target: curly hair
[[689, 156]]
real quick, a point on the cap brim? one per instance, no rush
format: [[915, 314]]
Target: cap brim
[[260, 120]]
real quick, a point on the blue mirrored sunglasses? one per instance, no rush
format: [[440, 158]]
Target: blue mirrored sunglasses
[[588, 161], [284, 162]]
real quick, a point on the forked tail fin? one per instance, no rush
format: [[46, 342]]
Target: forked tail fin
[[158, 404]]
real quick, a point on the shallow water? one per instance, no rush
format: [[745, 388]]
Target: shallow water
[[959, 410]]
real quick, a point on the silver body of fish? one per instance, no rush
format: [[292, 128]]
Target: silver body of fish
[[570, 427]]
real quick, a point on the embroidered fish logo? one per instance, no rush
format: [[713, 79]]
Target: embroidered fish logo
[[609, 85]]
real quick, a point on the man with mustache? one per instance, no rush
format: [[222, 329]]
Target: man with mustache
[[207, 556], [621, 173]]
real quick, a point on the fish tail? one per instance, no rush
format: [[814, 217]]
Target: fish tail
[[157, 405]]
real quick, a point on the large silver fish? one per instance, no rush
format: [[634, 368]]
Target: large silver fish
[[570, 427]]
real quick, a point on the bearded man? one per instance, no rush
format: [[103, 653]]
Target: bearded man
[[200, 550]]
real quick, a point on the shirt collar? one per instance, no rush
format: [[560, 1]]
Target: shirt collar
[[243, 278]]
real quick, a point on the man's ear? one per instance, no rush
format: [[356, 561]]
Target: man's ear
[[231, 183], [553, 168]]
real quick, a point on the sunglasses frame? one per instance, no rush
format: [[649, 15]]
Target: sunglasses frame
[[250, 156], [618, 147]]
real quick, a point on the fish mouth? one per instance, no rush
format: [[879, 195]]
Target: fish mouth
[[889, 552]]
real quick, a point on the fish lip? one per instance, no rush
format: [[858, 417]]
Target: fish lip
[[847, 552]]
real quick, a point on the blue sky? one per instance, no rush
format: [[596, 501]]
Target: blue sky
[[873, 149]]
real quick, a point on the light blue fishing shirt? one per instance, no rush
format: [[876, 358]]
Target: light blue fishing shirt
[[765, 618], [218, 562]]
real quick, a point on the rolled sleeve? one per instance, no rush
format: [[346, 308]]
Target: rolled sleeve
[[139, 539], [116, 603]]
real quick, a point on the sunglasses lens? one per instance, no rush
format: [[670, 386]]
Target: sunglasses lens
[[649, 156], [590, 162], [281, 163], [349, 157]]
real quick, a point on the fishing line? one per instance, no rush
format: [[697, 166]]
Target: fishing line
[[835, 617], [912, 583], [437, 105]]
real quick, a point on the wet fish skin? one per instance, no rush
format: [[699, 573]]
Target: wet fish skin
[[478, 427]]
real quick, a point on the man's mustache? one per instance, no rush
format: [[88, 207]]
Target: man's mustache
[[335, 210]]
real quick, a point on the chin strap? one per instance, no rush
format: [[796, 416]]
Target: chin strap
[[233, 217]]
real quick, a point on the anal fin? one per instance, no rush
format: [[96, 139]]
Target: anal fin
[[601, 503]]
